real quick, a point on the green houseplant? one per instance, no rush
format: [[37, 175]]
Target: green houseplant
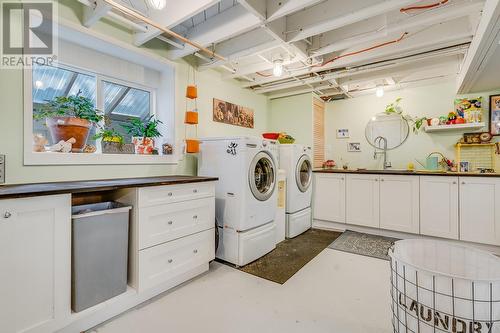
[[395, 108], [69, 117], [143, 133], [112, 142]]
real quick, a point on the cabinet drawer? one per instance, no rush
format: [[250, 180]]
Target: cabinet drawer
[[158, 195], [160, 224], [163, 262]]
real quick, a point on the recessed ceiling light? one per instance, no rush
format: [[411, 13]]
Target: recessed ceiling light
[[158, 4]]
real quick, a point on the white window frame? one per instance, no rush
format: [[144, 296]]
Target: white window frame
[[128, 53]]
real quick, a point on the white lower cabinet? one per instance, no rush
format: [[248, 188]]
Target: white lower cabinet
[[480, 210], [439, 206], [363, 200], [35, 263], [399, 203], [329, 197], [166, 261]]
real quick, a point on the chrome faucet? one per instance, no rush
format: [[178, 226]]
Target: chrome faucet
[[378, 140]]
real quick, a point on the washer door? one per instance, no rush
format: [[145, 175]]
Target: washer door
[[262, 176], [303, 173]]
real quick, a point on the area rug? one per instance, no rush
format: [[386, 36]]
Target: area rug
[[364, 244], [291, 255]]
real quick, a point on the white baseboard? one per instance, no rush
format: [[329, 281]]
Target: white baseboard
[[99, 314], [336, 226]]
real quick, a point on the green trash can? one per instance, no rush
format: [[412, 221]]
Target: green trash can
[[99, 253]]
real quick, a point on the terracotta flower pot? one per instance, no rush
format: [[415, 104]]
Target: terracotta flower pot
[[143, 146], [65, 128]]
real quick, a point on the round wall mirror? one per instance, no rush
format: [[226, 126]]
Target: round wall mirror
[[392, 127]]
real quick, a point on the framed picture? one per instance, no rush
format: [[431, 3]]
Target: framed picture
[[232, 114], [495, 115], [464, 166], [354, 147], [342, 133]]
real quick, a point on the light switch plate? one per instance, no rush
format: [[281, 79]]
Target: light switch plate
[[2, 169]]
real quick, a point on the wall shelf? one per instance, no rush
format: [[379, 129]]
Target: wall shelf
[[456, 127]]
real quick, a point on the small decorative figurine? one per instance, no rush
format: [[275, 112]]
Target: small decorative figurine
[[89, 149], [63, 146], [39, 142]]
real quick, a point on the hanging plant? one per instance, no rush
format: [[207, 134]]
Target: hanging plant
[[395, 108]]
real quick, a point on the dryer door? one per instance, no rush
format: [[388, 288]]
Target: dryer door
[[262, 176], [303, 173]]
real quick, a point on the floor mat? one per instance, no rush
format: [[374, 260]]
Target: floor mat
[[364, 244], [291, 255]]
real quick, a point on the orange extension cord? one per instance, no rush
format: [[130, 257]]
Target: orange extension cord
[[440, 3]]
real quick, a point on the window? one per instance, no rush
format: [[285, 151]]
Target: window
[[119, 102], [122, 81]]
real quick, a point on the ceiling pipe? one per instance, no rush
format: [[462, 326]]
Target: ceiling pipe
[[131, 13]]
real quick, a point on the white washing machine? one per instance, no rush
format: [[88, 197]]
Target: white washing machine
[[296, 161], [245, 195]]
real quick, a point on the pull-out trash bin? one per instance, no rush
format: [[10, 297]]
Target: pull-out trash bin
[[100, 253]]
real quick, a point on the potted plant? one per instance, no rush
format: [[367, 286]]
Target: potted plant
[[395, 108], [113, 142], [69, 117], [143, 134]]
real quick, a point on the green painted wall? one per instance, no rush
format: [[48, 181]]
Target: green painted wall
[[292, 115]]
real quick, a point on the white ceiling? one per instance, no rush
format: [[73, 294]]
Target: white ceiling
[[335, 48]]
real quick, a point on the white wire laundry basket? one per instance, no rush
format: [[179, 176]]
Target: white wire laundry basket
[[438, 286]]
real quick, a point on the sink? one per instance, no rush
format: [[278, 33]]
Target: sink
[[386, 170]]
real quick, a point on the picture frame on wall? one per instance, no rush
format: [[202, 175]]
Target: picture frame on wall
[[495, 115], [342, 133], [354, 147]]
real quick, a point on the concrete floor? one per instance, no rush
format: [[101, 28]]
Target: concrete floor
[[335, 292]]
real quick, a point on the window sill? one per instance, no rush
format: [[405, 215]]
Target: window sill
[[47, 158]]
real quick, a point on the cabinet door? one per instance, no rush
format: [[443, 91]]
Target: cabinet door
[[329, 197], [480, 210], [35, 261], [439, 206], [399, 203], [362, 200]]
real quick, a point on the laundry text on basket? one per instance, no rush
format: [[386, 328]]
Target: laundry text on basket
[[440, 320]]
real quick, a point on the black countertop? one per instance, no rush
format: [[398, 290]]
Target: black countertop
[[24, 190], [409, 173]]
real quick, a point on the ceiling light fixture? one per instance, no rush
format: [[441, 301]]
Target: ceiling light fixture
[[158, 4], [379, 92], [278, 67]]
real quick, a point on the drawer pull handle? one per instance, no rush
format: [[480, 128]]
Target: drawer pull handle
[[170, 261], [463, 183], [376, 179], [382, 180], [170, 222], [7, 215], [195, 191], [454, 183], [195, 251], [170, 194], [195, 217]]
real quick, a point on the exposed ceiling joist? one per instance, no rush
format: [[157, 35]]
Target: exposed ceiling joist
[[93, 13], [334, 14], [173, 15], [247, 44], [447, 34], [225, 25], [347, 37], [276, 9]]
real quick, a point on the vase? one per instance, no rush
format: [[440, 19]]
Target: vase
[[143, 146]]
